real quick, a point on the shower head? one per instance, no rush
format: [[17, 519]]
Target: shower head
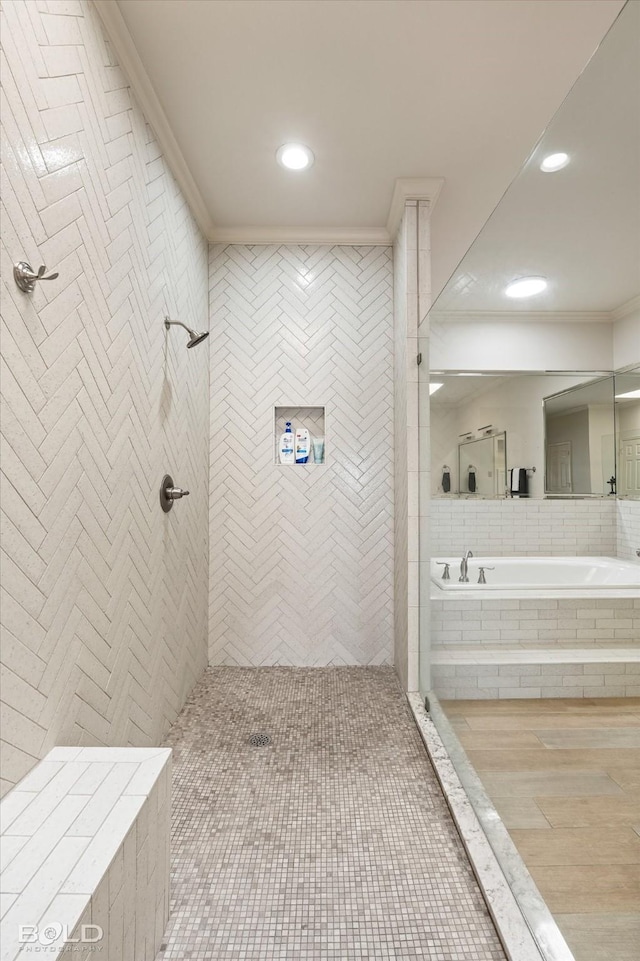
[[194, 336]]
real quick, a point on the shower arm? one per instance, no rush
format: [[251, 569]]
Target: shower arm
[[194, 337], [176, 323]]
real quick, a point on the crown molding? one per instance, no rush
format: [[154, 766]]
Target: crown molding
[[130, 62], [346, 236], [625, 310], [411, 188], [406, 189]]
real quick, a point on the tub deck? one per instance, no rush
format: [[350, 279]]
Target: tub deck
[[549, 575]]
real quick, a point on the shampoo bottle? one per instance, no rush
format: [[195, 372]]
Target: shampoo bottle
[[303, 444], [287, 450]]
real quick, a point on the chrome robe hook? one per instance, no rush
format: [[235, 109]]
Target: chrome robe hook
[[26, 277]]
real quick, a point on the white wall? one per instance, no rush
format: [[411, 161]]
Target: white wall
[[301, 557], [521, 345], [626, 341], [573, 428], [628, 415], [104, 596]]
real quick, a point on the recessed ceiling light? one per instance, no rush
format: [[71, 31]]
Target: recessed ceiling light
[[294, 156], [433, 388], [630, 395], [554, 161], [526, 287]]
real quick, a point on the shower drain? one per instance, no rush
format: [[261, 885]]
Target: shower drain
[[259, 740]]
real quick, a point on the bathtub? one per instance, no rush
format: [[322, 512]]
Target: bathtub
[[535, 574]]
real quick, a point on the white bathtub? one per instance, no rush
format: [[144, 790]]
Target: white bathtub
[[535, 574]]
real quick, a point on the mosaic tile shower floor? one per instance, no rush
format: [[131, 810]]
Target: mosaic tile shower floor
[[334, 842]]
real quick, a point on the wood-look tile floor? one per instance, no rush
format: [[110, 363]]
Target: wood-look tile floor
[[564, 775]]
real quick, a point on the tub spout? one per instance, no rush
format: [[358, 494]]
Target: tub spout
[[464, 568]]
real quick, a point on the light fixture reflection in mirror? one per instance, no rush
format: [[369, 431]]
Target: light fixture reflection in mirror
[[554, 161]]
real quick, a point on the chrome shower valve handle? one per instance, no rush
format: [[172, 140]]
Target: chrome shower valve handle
[[26, 277], [175, 493], [169, 493]]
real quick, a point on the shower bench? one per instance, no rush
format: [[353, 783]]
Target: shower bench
[[85, 855]]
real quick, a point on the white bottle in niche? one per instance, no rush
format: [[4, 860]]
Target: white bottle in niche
[[287, 448], [303, 445]]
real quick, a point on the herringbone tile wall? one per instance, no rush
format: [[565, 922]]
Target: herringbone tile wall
[[301, 558], [105, 597]]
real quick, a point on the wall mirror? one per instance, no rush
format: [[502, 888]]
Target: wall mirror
[[576, 224], [627, 406], [482, 465], [576, 227], [471, 409], [580, 441]]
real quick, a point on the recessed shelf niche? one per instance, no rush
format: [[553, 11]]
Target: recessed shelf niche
[[313, 418]]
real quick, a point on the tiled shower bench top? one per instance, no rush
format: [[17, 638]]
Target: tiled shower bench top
[[85, 855]]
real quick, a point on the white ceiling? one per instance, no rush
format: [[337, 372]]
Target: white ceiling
[[379, 89]]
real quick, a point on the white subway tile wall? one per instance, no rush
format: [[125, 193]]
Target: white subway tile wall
[[301, 558], [521, 622], [628, 526], [86, 841], [104, 605], [523, 527], [535, 674]]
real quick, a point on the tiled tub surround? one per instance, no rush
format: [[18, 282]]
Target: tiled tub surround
[[101, 640], [85, 841], [536, 646], [628, 527], [523, 527], [526, 622], [333, 842], [537, 643], [504, 673]]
